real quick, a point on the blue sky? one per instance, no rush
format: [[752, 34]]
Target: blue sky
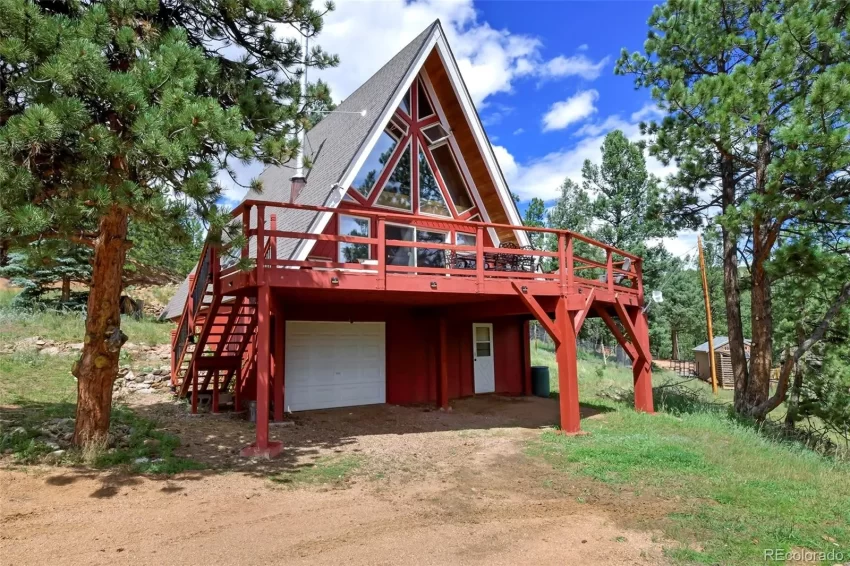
[[541, 74]]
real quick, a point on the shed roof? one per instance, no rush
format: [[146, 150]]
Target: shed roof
[[719, 341]]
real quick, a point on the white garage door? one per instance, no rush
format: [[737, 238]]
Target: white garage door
[[334, 364]]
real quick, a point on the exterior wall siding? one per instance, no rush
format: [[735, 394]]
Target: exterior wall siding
[[412, 350]]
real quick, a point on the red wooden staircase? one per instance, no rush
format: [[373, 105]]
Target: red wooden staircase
[[212, 343]]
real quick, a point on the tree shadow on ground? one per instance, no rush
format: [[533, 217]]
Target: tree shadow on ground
[[213, 441]]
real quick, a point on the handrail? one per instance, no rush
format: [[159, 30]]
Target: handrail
[[489, 261], [208, 269], [247, 204]]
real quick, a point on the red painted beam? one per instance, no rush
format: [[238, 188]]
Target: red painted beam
[[612, 326], [539, 313], [582, 313], [623, 315]]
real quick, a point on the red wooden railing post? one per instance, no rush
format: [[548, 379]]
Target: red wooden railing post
[[479, 257], [570, 253], [190, 300], [246, 229], [609, 269], [639, 274], [261, 244], [273, 239], [174, 358], [382, 253], [562, 262]]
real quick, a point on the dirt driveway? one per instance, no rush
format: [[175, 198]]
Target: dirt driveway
[[429, 488]]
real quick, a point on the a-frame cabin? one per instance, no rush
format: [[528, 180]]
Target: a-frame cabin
[[394, 268]]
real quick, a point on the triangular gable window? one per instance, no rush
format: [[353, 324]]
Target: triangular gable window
[[396, 193], [431, 199], [405, 103], [425, 108], [371, 170], [438, 187]]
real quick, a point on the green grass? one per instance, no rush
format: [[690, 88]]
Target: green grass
[[70, 327], [325, 470], [30, 377], [736, 492], [36, 389]]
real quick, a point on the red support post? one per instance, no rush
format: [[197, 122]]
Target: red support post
[[193, 375], [279, 352], [642, 367], [566, 354], [609, 269], [444, 365], [382, 253], [262, 446], [571, 275], [215, 392]]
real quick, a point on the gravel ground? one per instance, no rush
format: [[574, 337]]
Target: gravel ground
[[431, 487]]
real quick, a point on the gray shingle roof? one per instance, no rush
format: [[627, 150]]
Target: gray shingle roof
[[331, 147], [719, 342]]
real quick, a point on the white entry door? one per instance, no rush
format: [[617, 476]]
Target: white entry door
[[334, 364], [482, 354]]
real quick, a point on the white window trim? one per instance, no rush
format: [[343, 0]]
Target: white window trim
[[480, 137], [339, 245], [471, 188]]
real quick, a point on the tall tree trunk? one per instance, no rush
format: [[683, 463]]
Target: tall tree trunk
[[761, 351], [66, 289], [98, 365], [674, 340], [731, 285]]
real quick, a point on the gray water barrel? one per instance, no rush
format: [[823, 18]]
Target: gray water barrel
[[540, 381]]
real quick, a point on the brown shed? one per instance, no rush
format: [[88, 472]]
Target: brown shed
[[724, 363]]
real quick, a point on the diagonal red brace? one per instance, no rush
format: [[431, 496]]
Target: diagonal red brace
[[626, 320], [538, 313]]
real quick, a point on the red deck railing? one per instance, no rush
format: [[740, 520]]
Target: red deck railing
[[610, 269]]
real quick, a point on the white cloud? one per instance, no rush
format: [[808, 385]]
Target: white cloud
[[575, 65], [518, 131], [574, 109], [366, 34], [649, 111], [683, 245], [541, 177], [583, 47]]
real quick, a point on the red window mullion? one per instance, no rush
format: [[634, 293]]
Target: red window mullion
[[429, 121]]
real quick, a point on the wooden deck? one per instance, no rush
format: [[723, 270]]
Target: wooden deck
[[223, 338]]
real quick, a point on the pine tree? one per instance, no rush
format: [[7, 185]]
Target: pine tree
[[123, 111], [40, 266], [758, 105]]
